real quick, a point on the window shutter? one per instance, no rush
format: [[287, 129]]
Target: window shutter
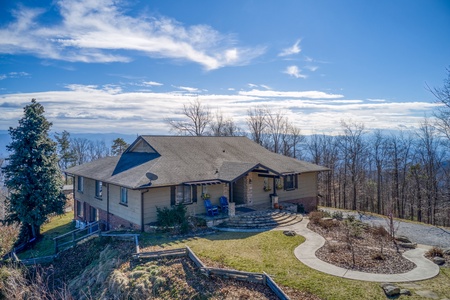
[[296, 181], [172, 195], [194, 193]]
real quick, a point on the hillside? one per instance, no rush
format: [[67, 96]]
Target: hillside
[[101, 268]]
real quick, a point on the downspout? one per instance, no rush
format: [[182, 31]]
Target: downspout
[[75, 215], [107, 207], [142, 209]]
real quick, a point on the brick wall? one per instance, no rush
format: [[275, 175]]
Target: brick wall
[[115, 222]]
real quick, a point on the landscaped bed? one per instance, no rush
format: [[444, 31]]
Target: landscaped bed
[[354, 245]]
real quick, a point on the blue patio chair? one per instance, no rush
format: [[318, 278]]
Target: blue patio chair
[[211, 210], [223, 204]]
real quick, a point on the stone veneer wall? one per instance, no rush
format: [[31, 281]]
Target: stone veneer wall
[[226, 190], [248, 187]]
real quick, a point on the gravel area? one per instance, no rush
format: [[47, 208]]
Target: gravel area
[[417, 233]]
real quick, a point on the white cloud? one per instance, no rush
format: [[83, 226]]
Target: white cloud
[[143, 112], [187, 88], [14, 75], [152, 83], [294, 49], [293, 94], [294, 71], [312, 68], [90, 31]]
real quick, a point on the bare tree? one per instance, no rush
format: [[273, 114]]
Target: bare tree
[[197, 118], [80, 149], [222, 126], [354, 147], [277, 125], [291, 139], [442, 114], [256, 122]]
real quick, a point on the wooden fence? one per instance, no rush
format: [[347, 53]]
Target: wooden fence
[[261, 278]]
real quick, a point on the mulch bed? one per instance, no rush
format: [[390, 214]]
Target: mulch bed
[[341, 237]]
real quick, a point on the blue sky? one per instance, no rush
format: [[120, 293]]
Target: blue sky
[[125, 66]]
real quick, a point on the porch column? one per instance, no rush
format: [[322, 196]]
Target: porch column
[[274, 186]]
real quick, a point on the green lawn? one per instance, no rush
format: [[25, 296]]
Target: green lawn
[[58, 225], [271, 252]]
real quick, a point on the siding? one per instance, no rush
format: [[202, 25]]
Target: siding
[[259, 195], [160, 197], [307, 187], [132, 212], [157, 197], [88, 194]]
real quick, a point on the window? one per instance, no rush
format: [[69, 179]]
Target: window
[[79, 209], [181, 194], [123, 196], [98, 188], [80, 184], [289, 182], [94, 214]]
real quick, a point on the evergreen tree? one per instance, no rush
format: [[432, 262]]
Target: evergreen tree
[[119, 146], [65, 154], [32, 174]]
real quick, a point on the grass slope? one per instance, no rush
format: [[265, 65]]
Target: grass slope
[[56, 226], [271, 252]]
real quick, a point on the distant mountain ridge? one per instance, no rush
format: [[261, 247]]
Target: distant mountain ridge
[[5, 139]]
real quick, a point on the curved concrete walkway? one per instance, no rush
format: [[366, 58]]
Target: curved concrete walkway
[[306, 253]]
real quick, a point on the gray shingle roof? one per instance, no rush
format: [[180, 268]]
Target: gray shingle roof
[[189, 158]]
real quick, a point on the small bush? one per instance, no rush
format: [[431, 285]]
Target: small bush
[[173, 216], [333, 247], [351, 218], [378, 256], [326, 214], [337, 215], [315, 217], [435, 251], [327, 224], [379, 231]]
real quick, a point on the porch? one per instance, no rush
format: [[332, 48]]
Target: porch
[[247, 211]]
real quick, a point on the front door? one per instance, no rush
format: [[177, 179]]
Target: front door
[[239, 191]]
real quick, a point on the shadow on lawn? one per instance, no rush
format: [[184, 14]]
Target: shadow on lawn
[[45, 245], [167, 240]]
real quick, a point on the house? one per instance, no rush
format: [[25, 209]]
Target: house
[[161, 171]]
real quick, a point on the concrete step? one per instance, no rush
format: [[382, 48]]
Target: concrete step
[[262, 220]]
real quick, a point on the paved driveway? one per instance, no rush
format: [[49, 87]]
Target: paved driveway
[[417, 233]]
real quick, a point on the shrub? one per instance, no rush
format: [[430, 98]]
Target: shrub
[[325, 214], [173, 216], [333, 247], [378, 256], [315, 217], [435, 251], [327, 224], [379, 231], [351, 218], [337, 215]]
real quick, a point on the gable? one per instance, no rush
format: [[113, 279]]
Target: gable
[[141, 146]]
